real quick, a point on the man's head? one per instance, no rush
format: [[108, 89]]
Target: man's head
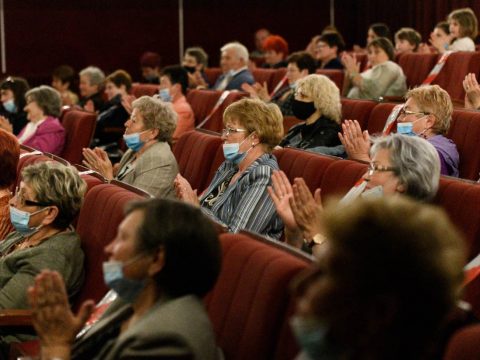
[[234, 56], [175, 79]]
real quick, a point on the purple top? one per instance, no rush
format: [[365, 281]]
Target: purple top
[[448, 153], [49, 137]]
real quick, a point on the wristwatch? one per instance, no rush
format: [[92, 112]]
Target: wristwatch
[[318, 239]]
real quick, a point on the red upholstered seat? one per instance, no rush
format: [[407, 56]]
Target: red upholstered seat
[[277, 76], [471, 289], [461, 200], [79, 127], [464, 344], [465, 133], [359, 110], [378, 117], [202, 102], [264, 75], [213, 74], [335, 75], [139, 89], [195, 152], [289, 122], [340, 176], [416, 67], [215, 123], [249, 304]]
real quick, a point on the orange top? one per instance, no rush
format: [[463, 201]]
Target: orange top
[[186, 118], [6, 226]]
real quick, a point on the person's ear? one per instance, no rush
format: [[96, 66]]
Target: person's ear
[[158, 262], [400, 188], [52, 214], [430, 121], [155, 133]]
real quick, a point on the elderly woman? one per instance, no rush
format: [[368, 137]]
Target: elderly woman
[[317, 102], [276, 51], [165, 258], [92, 80], [44, 205], [427, 113], [9, 153], [399, 164], [380, 291], [300, 64], [149, 164], [13, 117], [384, 78], [237, 195]]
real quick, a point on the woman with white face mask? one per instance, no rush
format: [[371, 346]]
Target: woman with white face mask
[[237, 196], [149, 164], [13, 117]]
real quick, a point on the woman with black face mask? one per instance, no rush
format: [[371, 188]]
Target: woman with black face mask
[[317, 102]]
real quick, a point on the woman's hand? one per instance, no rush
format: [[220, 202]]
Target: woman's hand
[[97, 159], [52, 318], [89, 106], [281, 192], [472, 92], [350, 63], [184, 191], [127, 101], [356, 142], [5, 124]]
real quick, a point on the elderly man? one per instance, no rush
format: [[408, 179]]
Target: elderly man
[[234, 62], [92, 80]]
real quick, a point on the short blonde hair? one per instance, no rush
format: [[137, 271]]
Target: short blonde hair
[[157, 114], [434, 100], [324, 93], [467, 20], [58, 185], [264, 119]]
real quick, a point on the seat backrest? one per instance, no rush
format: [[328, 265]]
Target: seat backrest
[[461, 201], [359, 110], [264, 75], [277, 76], [464, 344], [335, 75], [378, 117], [100, 215], [79, 127], [340, 176], [202, 103], [416, 67], [250, 301], [139, 89], [195, 151], [465, 133], [212, 74], [215, 123]]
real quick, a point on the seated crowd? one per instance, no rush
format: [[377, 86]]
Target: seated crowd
[[378, 247]]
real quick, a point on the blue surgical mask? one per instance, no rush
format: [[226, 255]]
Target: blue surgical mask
[[127, 289], [20, 220], [405, 128], [10, 106], [232, 152], [164, 94], [311, 335], [133, 141]]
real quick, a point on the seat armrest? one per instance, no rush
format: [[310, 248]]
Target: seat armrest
[[15, 317]]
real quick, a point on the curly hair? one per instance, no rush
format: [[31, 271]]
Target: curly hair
[[47, 98], [157, 115]]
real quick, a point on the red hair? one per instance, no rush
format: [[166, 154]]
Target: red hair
[[277, 44], [9, 155]]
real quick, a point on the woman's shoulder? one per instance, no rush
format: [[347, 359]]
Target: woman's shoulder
[[159, 151], [264, 165], [51, 124], [463, 44]]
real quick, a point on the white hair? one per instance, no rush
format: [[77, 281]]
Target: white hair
[[95, 75], [240, 50]]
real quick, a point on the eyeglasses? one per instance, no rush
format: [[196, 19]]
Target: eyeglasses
[[415, 113], [372, 167], [20, 196], [228, 130]]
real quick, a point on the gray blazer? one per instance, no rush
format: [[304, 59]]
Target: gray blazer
[[153, 171], [172, 329]]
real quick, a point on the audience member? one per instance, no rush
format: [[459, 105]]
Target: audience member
[[378, 30], [328, 49], [9, 153], [388, 278], [114, 115], [407, 40], [472, 92], [165, 259], [234, 61], [173, 87], [463, 28], [150, 63], [385, 78], [12, 96], [399, 164], [259, 38], [300, 64], [237, 196], [149, 164], [440, 34], [317, 102], [92, 80], [63, 78], [195, 61], [427, 113], [276, 51]]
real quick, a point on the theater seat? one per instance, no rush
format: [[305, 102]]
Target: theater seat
[[264, 75], [249, 304], [359, 110], [464, 344], [139, 89], [335, 75], [202, 102], [277, 76], [213, 74], [378, 117], [416, 67], [289, 122], [79, 127], [340, 176], [215, 123]]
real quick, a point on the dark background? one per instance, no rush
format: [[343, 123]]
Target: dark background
[[41, 35]]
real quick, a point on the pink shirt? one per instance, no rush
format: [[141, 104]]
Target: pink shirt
[[186, 119]]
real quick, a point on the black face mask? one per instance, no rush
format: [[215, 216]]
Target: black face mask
[[303, 110], [190, 69]]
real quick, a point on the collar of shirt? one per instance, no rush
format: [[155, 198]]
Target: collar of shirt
[[235, 72]]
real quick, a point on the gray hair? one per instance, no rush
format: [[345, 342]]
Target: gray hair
[[47, 98], [58, 185], [240, 50], [417, 163], [157, 114], [94, 74]]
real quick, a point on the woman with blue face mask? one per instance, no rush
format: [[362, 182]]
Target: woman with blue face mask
[[13, 117], [237, 197], [149, 163], [165, 258]]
